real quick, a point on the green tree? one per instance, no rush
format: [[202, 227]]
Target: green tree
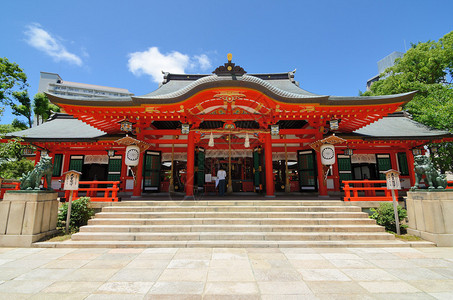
[[42, 107], [428, 69], [12, 78], [23, 108]]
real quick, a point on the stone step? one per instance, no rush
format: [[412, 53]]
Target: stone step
[[237, 236], [224, 244], [232, 228], [233, 203], [149, 215], [211, 208], [232, 221]]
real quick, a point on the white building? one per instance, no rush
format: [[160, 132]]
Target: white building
[[53, 83], [383, 64]]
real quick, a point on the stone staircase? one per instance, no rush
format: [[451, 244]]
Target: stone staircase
[[231, 223]]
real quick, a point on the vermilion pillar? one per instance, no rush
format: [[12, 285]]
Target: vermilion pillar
[[269, 168], [322, 188], [190, 163], [66, 162], [139, 177], [336, 175], [410, 165], [37, 156]]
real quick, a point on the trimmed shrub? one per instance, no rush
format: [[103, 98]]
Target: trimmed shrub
[[80, 214], [385, 216]]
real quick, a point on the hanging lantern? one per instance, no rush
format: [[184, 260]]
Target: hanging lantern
[[126, 125], [211, 141], [275, 130], [185, 129], [247, 141], [334, 125], [132, 155], [327, 152], [416, 151]]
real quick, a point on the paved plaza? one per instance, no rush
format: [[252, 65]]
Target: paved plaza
[[218, 273]]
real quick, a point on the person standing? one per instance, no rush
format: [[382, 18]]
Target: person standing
[[221, 175]]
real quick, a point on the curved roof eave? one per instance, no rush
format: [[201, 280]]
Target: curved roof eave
[[182, 91]]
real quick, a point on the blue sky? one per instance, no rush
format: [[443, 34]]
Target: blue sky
[[334, 45]]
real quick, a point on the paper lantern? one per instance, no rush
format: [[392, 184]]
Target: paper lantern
[[327, 152], [132, 155]]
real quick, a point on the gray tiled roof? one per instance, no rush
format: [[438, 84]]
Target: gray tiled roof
[[60, 127], [281, 87], [399, 126]]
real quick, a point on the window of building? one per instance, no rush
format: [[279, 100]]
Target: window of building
[[57, 165], [76, 163], [402, 164]]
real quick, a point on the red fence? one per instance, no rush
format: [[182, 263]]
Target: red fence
[[367, 189], [107, 194], [5, 186], [450, 185]]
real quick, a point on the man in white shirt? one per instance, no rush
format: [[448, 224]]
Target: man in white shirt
[[221, 175]]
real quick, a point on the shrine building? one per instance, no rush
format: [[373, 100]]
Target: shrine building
[[263, 129]]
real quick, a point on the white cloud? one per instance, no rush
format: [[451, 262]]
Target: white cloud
[[45, 42], [203, 61], [152, 62]]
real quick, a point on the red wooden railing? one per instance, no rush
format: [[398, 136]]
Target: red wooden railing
[[450, 185], [369, 189], [6, 186], [108, 194]]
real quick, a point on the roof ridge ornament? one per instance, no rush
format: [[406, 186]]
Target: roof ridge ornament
[[229, 68]]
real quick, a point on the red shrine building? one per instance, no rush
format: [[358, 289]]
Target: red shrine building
[[263, 129]]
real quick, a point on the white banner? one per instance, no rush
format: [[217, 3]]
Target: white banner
[[363, 158], [96, 159], [281, 156]]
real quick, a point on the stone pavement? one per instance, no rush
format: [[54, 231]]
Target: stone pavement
[[218, 273]]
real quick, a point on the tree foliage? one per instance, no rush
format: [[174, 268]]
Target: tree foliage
[[14, 169], [42, 106], [12, 78], [385, 216], [81, 212], [22, 107], [428, 69]]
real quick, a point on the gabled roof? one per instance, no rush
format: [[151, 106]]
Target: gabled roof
[[398, 126], [279, 86], [59, 127]]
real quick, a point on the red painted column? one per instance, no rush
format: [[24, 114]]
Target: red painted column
[[66, 160], [190, 163], [37, 156], [269, 167], [139, 177], [336, 175], [393, 160], [322, 187], [410, 165]]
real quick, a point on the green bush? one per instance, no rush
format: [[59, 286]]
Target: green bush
[[385, 216], [80, 214]]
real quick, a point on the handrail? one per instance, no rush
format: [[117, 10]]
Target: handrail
[[15, 186], [93, 190], [449, 185], [367, 186]]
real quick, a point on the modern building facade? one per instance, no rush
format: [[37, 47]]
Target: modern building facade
[[383, 64]]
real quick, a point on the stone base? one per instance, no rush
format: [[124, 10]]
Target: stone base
[[441, 240], [430, 215], [24, 240], [27, 216]]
